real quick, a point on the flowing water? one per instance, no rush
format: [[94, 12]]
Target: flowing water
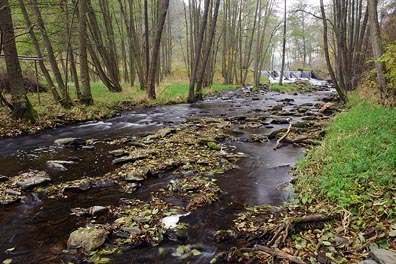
[[36, 230]]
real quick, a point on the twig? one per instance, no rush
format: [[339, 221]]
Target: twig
[[282, 137], [279, 253]]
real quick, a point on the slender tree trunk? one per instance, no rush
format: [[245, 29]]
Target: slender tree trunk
[[340, 90], [36, 45], [283, 46], [66, 101], [377, 48], [207, 52], [198, 49], [150, 88], [86, 96], [21, 107]]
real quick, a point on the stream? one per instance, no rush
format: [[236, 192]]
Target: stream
[[36, 230]]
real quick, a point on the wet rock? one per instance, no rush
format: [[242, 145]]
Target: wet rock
[[280, 121], [33, 181], [58, 164], [383, 256], [118, 152], [13, 192], [3, 178], [258, 138], [275, 133], [134, 177], [368, 261], [164, 132], [90, 147], [103, 184], [131, 187], [78, 187], [70, 142], [87, 238], [135, 143], [98, 210], [127, 159], [177, 235]]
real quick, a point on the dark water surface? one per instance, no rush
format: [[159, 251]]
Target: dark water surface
[[37, 230]]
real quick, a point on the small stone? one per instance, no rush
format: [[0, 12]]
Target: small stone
[[166, 132], [32, 182], [12, 192], [87, 238], [103, 184], [90, 147], [383, 256], [118, 152], [70, 142], [129, 159], [3, 178], [98, 210], [368, 261], [56, 165], [134, 177]]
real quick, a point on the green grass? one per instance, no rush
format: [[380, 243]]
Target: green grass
[[355, 167], [284, 88], [179, 91]]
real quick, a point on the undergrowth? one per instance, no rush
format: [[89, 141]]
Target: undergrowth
[[355, 167]]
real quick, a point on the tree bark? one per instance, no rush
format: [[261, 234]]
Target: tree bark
[[86, 96], [198, 49], [283, 47], [66, 101], [340, 90], [377, 48], [150, 88], [36, 45], [21, 106]]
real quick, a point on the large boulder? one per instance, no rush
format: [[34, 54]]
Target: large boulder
[[31, 179], [89, 238]]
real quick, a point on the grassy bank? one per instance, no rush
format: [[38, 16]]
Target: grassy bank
[[345, 202], [106, 104]]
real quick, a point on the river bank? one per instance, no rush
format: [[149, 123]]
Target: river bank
[[344, 210]]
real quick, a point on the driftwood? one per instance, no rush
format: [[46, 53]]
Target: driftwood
[[325, 107], [279, 141], [279, 253]]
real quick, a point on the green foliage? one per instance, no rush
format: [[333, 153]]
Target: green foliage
[[355, 167], [179, 91], [284, 88], [389, 58]]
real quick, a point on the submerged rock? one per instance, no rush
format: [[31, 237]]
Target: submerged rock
[[88, 239], [58, 164], [70, 142], [129, 159]]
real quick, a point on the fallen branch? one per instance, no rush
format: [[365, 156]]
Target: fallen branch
[[278, 253], [282, 137]]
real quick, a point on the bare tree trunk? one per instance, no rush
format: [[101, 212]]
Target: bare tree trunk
[[377, 48], [21, 107], [36, 45], [86, 96], [283, 46], [340, 90], [207, 52], [150, 88], [198, 49], [66, 101]]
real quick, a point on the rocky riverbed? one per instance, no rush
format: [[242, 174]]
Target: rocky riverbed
[[107, 197]]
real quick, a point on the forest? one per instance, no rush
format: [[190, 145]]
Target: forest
[[197, 131]]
